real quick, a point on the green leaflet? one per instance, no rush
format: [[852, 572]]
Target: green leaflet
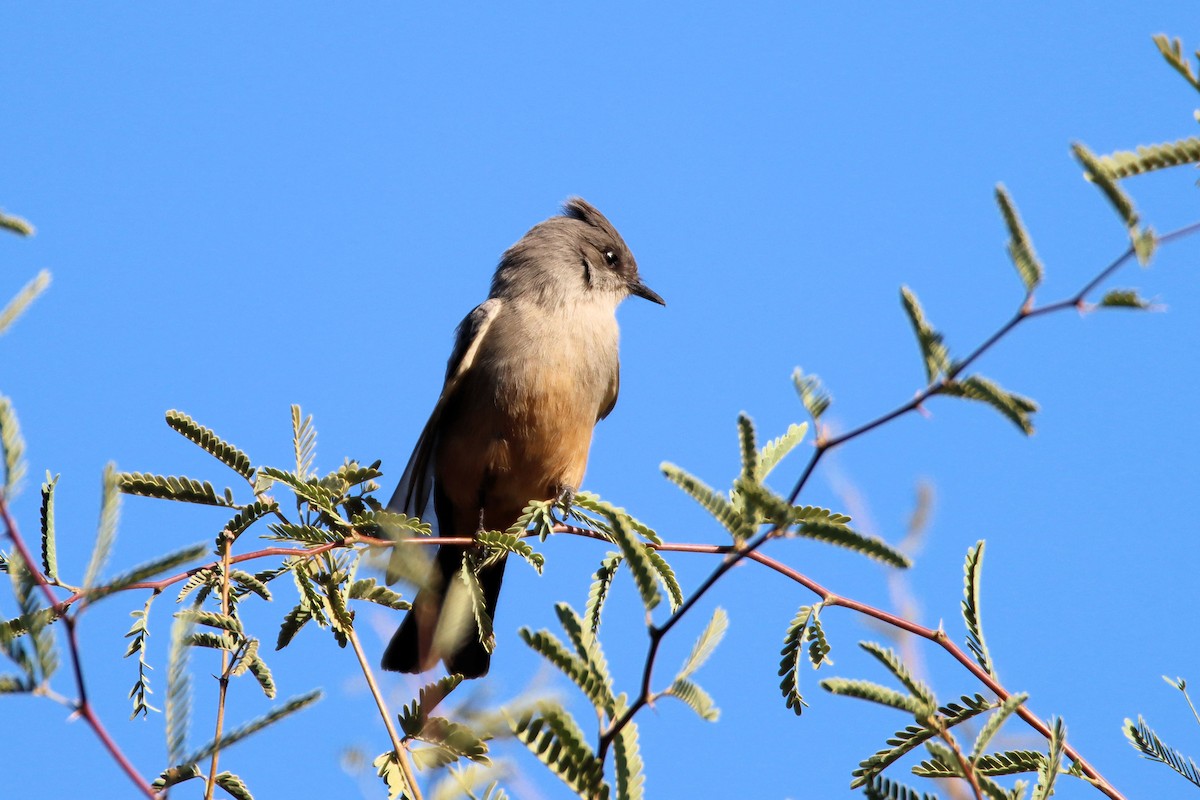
[[590, 681], [367, 589], [106, 530], [179, 690], [455, 740], [253, 726], [666, 576], [1116, 196], [293, 621], [705, 644], [414, 714], [713, 501], [145, 572], [696, 698], [1145, 740], [208, 441], [777, 449], [891, 660], [586, 645], [307, 490], [1013, 406], [912, 736], [637, 557], [826, 530], [1172, 51], [510, 543], [933, 350], [598, 592], [1009, 762], [880, 788], [875, 693], [993, 725], [1147, 158], [170, 487], [552, 734], [1051, 765], [14, 448], [15, 224], [49, 553], [247, 516], [388, 769], [138, 633], [483, 620], [789, 663], [749, 447], [593, 502], [35, 620], [234, 785], [304, 442], [631, 777], [1020, 248], [1124, 298], [22, 300], [813, 396], [972, 572]]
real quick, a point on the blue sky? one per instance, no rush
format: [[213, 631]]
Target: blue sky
[[250, 206]]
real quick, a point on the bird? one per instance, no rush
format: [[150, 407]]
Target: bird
[[533, 369]]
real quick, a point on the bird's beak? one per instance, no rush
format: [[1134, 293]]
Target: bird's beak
[[642, 290]]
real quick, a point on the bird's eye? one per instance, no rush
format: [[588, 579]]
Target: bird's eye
[[610, 256]]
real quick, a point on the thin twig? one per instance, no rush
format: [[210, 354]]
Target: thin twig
[[401, 751], [223, 680]]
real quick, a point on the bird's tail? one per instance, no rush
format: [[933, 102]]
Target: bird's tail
[[419, 643]]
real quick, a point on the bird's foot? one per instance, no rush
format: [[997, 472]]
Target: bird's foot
[[563, 503]]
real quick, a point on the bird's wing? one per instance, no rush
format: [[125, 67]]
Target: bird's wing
[[413, 495], [615, 389]]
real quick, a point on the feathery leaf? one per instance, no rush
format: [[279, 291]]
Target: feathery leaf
[[1124, 298], [16, 224], [21, 301], [106, 531], [777, 449], [552, 734], [14, 448], [695, 697], [972, 574], [367, 589], [628, 764], [1144, 739], [1048, 772], [1172, 51], [995, 722], [49, 552], [509, 543], [170, 487], [891, 660], [207, 440], [705, 644], [933, 349], [1020, 248], [1013, 406], [813, 396], [789, 663], [875, 693], [1094, 172], [824, 530], [713, 501], [304, 442], [598, 593], [254, 726], [145, 572], [637, 557]]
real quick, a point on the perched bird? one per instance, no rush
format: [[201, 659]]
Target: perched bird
[[534, 368]]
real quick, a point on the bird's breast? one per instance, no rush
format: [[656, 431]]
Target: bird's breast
[[520, 425]]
